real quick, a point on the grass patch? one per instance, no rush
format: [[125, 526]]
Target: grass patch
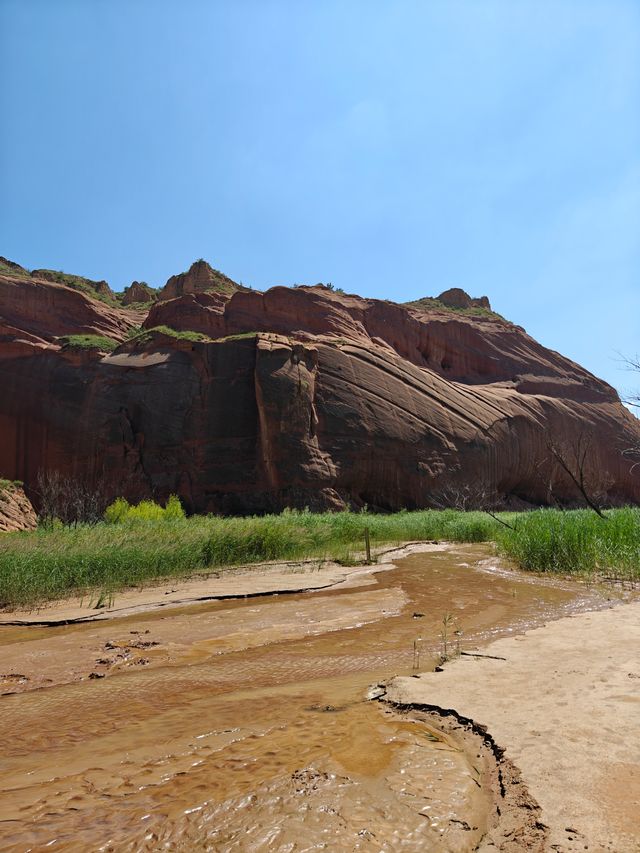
[[576, 542], [8, 267], [95, 289], [430, 303], [241, 336], [88, 342], [46, 564], [146, 335], [10, 485], [137, 306], [141, 545]]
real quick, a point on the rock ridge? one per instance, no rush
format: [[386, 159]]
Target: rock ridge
[[244, 401]]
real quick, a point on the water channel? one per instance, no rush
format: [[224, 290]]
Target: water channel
[[244, 726]]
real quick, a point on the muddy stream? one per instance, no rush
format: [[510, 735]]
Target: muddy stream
[[243, 726]]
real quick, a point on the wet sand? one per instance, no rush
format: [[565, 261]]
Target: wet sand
[[563, 701], [242, 725]]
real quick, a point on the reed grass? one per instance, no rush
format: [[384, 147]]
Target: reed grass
[[576, 542], [51, 563], [59, 561]]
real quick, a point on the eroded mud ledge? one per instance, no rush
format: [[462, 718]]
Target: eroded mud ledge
[[514, 819], [562, 702]]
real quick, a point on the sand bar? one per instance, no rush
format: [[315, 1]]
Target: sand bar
[[565, 706]]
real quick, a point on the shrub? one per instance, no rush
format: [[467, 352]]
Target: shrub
[[117, 511], [98, 342], [68, 499], [173, 509], [121, 511]]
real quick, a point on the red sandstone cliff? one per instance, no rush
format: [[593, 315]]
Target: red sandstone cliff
[[296, 397], [199, 278], [35, 309]]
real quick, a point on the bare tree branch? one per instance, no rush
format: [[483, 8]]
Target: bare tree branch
[[479, 496], [574, 458], [69, 500]]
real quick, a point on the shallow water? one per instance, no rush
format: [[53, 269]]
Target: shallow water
[[248, 731]]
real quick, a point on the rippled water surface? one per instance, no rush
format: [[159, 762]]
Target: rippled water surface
[[246, 729]]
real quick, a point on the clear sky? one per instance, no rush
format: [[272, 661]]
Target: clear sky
[[392, 148]]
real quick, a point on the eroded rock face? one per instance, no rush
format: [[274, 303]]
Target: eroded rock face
[[455, 297], [199, 278], [100, 288], [305, 397], [16, 511], [138, 292], [36, 309]]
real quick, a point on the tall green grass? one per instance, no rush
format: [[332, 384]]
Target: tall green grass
[[60, 561], [576, 542]]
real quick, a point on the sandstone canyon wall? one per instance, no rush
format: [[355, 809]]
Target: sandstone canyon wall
[[242, 401]]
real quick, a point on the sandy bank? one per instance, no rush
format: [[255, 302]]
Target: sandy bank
[[564, 702], [238, 582]]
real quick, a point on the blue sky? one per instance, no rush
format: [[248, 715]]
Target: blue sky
[[392, 148]]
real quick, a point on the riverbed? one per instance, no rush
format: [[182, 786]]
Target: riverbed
[[244, 725]]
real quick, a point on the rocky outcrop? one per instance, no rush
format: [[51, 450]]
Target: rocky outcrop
[[455, 297], [8, 267], [98, 288], [305, 397], [199, 278], [138, 293], [16, 511], [36, 309]]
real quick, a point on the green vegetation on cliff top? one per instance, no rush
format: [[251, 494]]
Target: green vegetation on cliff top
[[88, 342], [431, 303], [8, 267], [95, 289], [145, 335]]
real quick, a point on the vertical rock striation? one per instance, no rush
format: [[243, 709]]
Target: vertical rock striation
[[295, 397]]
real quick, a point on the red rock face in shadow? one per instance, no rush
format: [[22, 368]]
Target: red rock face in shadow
[[305, 397]]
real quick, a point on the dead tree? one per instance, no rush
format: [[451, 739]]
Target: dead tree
[[478, 496], [632, 364], [68, 499], [632, 452], [575, 458]]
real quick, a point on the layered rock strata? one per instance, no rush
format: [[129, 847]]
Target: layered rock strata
[[298, 397], [16, 511]]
